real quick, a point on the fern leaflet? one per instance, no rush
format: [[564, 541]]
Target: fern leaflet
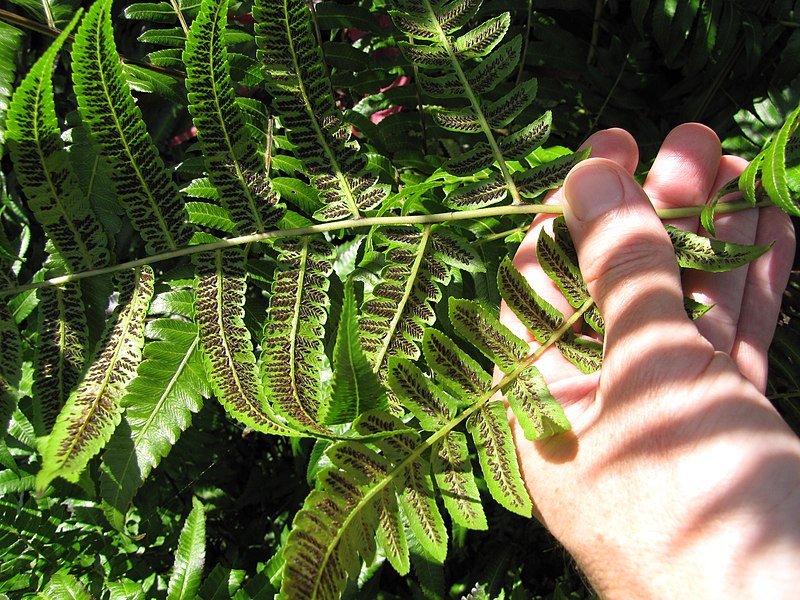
[[93, 410], [143, 185], [233, 164]]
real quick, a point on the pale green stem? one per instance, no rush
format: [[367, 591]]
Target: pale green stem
[[492, 211]]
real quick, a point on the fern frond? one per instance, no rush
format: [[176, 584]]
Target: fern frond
[[431, 405], [452, 470], [547, 176], [695, 251], [482, 39], [293, 351], [60, 351], [394, 318], [295, 76], [538, 315], [319, 552], [228, 349], [563, 270], [484, 330], [144, 186], [521, 143], [413, 482], [190, 556], [43, 168], [497, 455], [10, 43], [496, 67], [355, 388], [93, 410], [170, 385], [233, 164], [10, 342], [453, 366], [537, 412]]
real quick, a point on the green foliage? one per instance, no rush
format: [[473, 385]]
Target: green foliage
[[306, 294]]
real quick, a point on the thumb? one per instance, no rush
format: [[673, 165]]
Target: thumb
[[626, 259]]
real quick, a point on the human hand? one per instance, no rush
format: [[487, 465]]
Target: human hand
[[678, 479]]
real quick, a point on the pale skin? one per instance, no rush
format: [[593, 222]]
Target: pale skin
[[679, 479]]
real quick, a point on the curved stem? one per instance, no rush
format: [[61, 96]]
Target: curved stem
[[492, 211]]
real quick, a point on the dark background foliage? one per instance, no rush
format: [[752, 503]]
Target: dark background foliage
[[642, 65]]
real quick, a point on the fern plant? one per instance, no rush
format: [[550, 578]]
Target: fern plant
[[316, 288]]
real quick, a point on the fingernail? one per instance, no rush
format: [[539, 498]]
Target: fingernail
[[592, 190]]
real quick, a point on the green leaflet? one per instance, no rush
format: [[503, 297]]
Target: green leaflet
[[547, 176], [393, 320], [483, 330], [144, 186], [452, 16], [391, 533], [93, 410], [170, 385], [455, 251], [65, 585], [60, 351], [453, 366], [560, 266], [695, 309], [41, 163], [319, 552], [10, 41], [496, 67], [707, 216], [355, 388], [774, 174], [473, 160], [501, 112], [482, 39], [537, 412], [492, 434], [293, 65], [431, 405], [452, 470], [695, 251], [414, 484], [293, 333], [521, 143], [584, 353], [190, 556], [227, 347], [535, 312], [11, 356], [478, 195], [233, 164]]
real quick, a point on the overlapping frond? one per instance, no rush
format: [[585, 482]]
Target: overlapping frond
[[393, 319], [143, 184], [60, 351], [295, 76], [234, 166], [10, 40], [93, 409], [44, 171], [445, 57], [158, 405], [226, 342], [293, 350]]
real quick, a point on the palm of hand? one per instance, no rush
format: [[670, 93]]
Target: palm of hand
[[664, 436]]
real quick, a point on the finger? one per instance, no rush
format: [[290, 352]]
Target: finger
[[629, 265], [766, 280], [724, 291], [684, 171], [614, 144]]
